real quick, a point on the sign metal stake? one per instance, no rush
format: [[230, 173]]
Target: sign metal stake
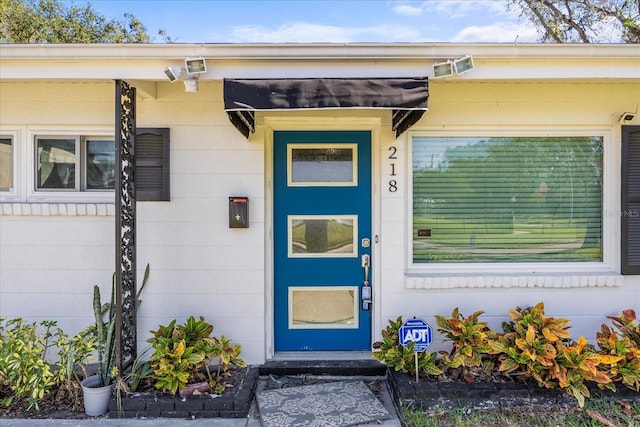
[[418, 332]]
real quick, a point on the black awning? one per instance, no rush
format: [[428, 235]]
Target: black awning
[[406, 97]]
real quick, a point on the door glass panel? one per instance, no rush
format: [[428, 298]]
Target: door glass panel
[[323, 236], [327, 307], [322, 164]]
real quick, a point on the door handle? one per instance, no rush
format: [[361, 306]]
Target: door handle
[[366, 287], [366, 262]]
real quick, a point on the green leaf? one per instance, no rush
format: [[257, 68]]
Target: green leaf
[[433, 369]]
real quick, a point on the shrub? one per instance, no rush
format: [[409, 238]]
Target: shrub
[[626, 325], [183, 353], [539, 347], [73, 354], [23, 368], [622, 343], [470, 344], [26, 373], [401, 358]]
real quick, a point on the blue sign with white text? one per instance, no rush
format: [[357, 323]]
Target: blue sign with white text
[[416, 331]]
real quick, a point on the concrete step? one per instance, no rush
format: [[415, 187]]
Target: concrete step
[[350, 368]]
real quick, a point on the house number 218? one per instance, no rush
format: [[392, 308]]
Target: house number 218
[[393, 155]]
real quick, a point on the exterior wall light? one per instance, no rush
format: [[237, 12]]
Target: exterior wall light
[[449, 67], [173, 73], [195, 65], [463, 65], [627, 117], [442, 69]]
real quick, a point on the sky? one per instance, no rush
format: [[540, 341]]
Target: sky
[[328, 21]]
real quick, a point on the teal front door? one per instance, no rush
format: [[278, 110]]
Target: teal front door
[[322, 246]]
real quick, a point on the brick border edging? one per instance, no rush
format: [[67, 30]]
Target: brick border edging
[[234, 403], [432, 396]]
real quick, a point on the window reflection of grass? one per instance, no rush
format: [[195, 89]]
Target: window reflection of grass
[[546, 240], [339, 233], [451, 233]]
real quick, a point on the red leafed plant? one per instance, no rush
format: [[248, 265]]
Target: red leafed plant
[[623, 342], [540, 347]]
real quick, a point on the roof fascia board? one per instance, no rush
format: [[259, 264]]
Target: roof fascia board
[[320, 51], [147, 61]]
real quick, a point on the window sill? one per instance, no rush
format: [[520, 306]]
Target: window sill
[[57, 209], [547, 280]]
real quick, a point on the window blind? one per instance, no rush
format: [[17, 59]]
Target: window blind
[[521, 199]]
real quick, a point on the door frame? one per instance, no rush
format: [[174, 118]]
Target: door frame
[[324, 123]]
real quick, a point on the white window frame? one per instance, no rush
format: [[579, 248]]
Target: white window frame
[[338, 145], [80, 193], [13, 193], [77, 162], [356, 307], [317, 255], [610, 223]]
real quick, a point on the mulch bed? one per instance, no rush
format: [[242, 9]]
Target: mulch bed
[[236, 401], [233, 403], [49, 408], [432, 396]]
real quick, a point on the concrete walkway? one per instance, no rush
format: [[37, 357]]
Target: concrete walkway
[[253, 420]]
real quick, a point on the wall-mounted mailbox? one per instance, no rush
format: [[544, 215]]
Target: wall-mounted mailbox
[[238, 212]]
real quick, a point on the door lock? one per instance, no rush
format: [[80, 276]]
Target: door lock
[[366, 287]]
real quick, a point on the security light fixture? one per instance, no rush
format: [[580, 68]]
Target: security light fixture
[[173, 73], [627, 117], [195, 65], [463, 65], [191, 84], [442, 69]]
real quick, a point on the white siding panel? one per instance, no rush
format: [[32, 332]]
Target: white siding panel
[[229, 257], [393, 209], [75, 103], [247, 282], [201, 209], [218, 161], [217, 185]]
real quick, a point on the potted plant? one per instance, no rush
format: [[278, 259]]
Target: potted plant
[[97, 389]]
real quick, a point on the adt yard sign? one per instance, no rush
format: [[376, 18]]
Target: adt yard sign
[[416, 331]]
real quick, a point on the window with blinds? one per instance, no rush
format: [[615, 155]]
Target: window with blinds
[[507, 199]]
